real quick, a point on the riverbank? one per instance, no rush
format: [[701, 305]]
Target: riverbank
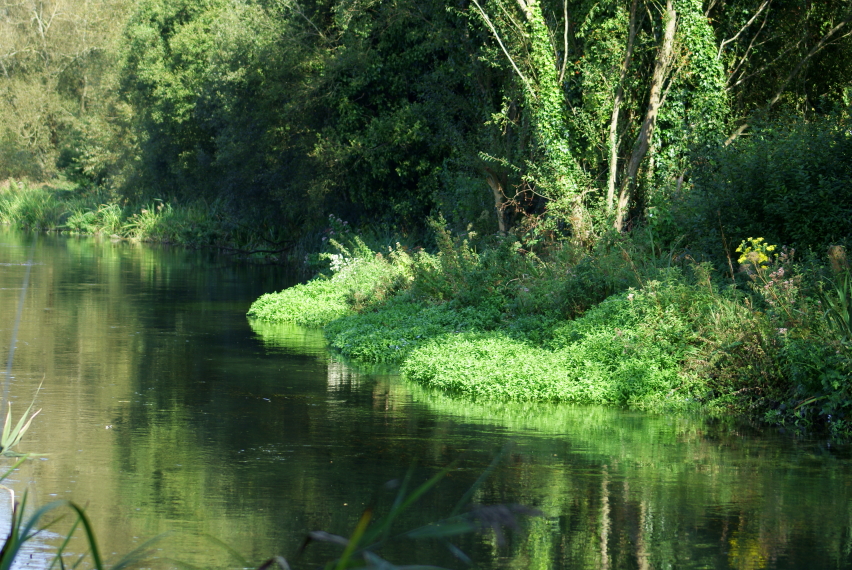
[[61, 206], [621, 324]]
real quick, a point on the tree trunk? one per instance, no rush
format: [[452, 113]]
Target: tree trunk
[[646, 133], [499, 198], [616, 108]]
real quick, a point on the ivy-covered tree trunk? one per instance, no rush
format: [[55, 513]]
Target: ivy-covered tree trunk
[[662, 67], [616, 108]]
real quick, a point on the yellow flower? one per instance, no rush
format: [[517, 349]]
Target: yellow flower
[[755, 251]]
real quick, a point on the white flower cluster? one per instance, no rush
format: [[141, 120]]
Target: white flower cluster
[[339, 264]]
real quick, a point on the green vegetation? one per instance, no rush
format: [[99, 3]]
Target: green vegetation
[[611, 156], [540, 116], [622, 324], [358, 279], [72, 209]]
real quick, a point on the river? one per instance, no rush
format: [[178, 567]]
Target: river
[[166, 411]]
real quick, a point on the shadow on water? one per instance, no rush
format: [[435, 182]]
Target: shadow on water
[[166, 410]]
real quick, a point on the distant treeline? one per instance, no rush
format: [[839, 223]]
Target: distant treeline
[[568, 116]]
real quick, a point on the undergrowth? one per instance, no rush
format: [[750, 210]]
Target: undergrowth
[[623, 323], [64, 207]]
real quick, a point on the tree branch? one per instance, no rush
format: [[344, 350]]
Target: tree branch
[[790, 76], [616, 108], [564, 42], [744, 28], [503, 47]]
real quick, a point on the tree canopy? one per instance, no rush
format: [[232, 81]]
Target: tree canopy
[[494, 113]]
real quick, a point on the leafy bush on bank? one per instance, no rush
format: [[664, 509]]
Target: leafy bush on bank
[[357, 278], [790, 181], [635, 365], [623, 324]]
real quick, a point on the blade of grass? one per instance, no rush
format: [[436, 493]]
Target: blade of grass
[[13, 467], [13, 541], [139, 553], [405, 503], [58, 557], [457, 552], [7, 427], [478, 483], [230, 550], [20, 431], [355, 539], [90, 535], [384, 527], [279, 560]]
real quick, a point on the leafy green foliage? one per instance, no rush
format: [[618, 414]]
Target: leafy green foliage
[[790, 182], [12, 434], [389, 113], [70, 208], [620, 325], [359, 278], [838, 305], [400, 325], [626, 350], [312, 304], [29, 206]]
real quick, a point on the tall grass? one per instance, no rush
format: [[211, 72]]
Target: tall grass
[[30, 206], [75, 210]]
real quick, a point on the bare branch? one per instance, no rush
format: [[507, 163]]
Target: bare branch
[[816, 49], [824, 41], [503, 47], [765, 67], [744, 28], [564, 41], [744, 58]]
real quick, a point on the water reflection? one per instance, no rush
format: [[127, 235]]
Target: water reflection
[[165, 410]]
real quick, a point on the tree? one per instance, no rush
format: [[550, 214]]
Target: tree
[[55, 60], [583, 119]]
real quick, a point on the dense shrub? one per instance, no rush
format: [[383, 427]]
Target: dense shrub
[[619, 324], [357, 278], [30, 206], [789, 181], [627, 350], [64, 206]]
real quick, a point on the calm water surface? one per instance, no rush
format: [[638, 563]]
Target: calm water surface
[[166, 410]]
